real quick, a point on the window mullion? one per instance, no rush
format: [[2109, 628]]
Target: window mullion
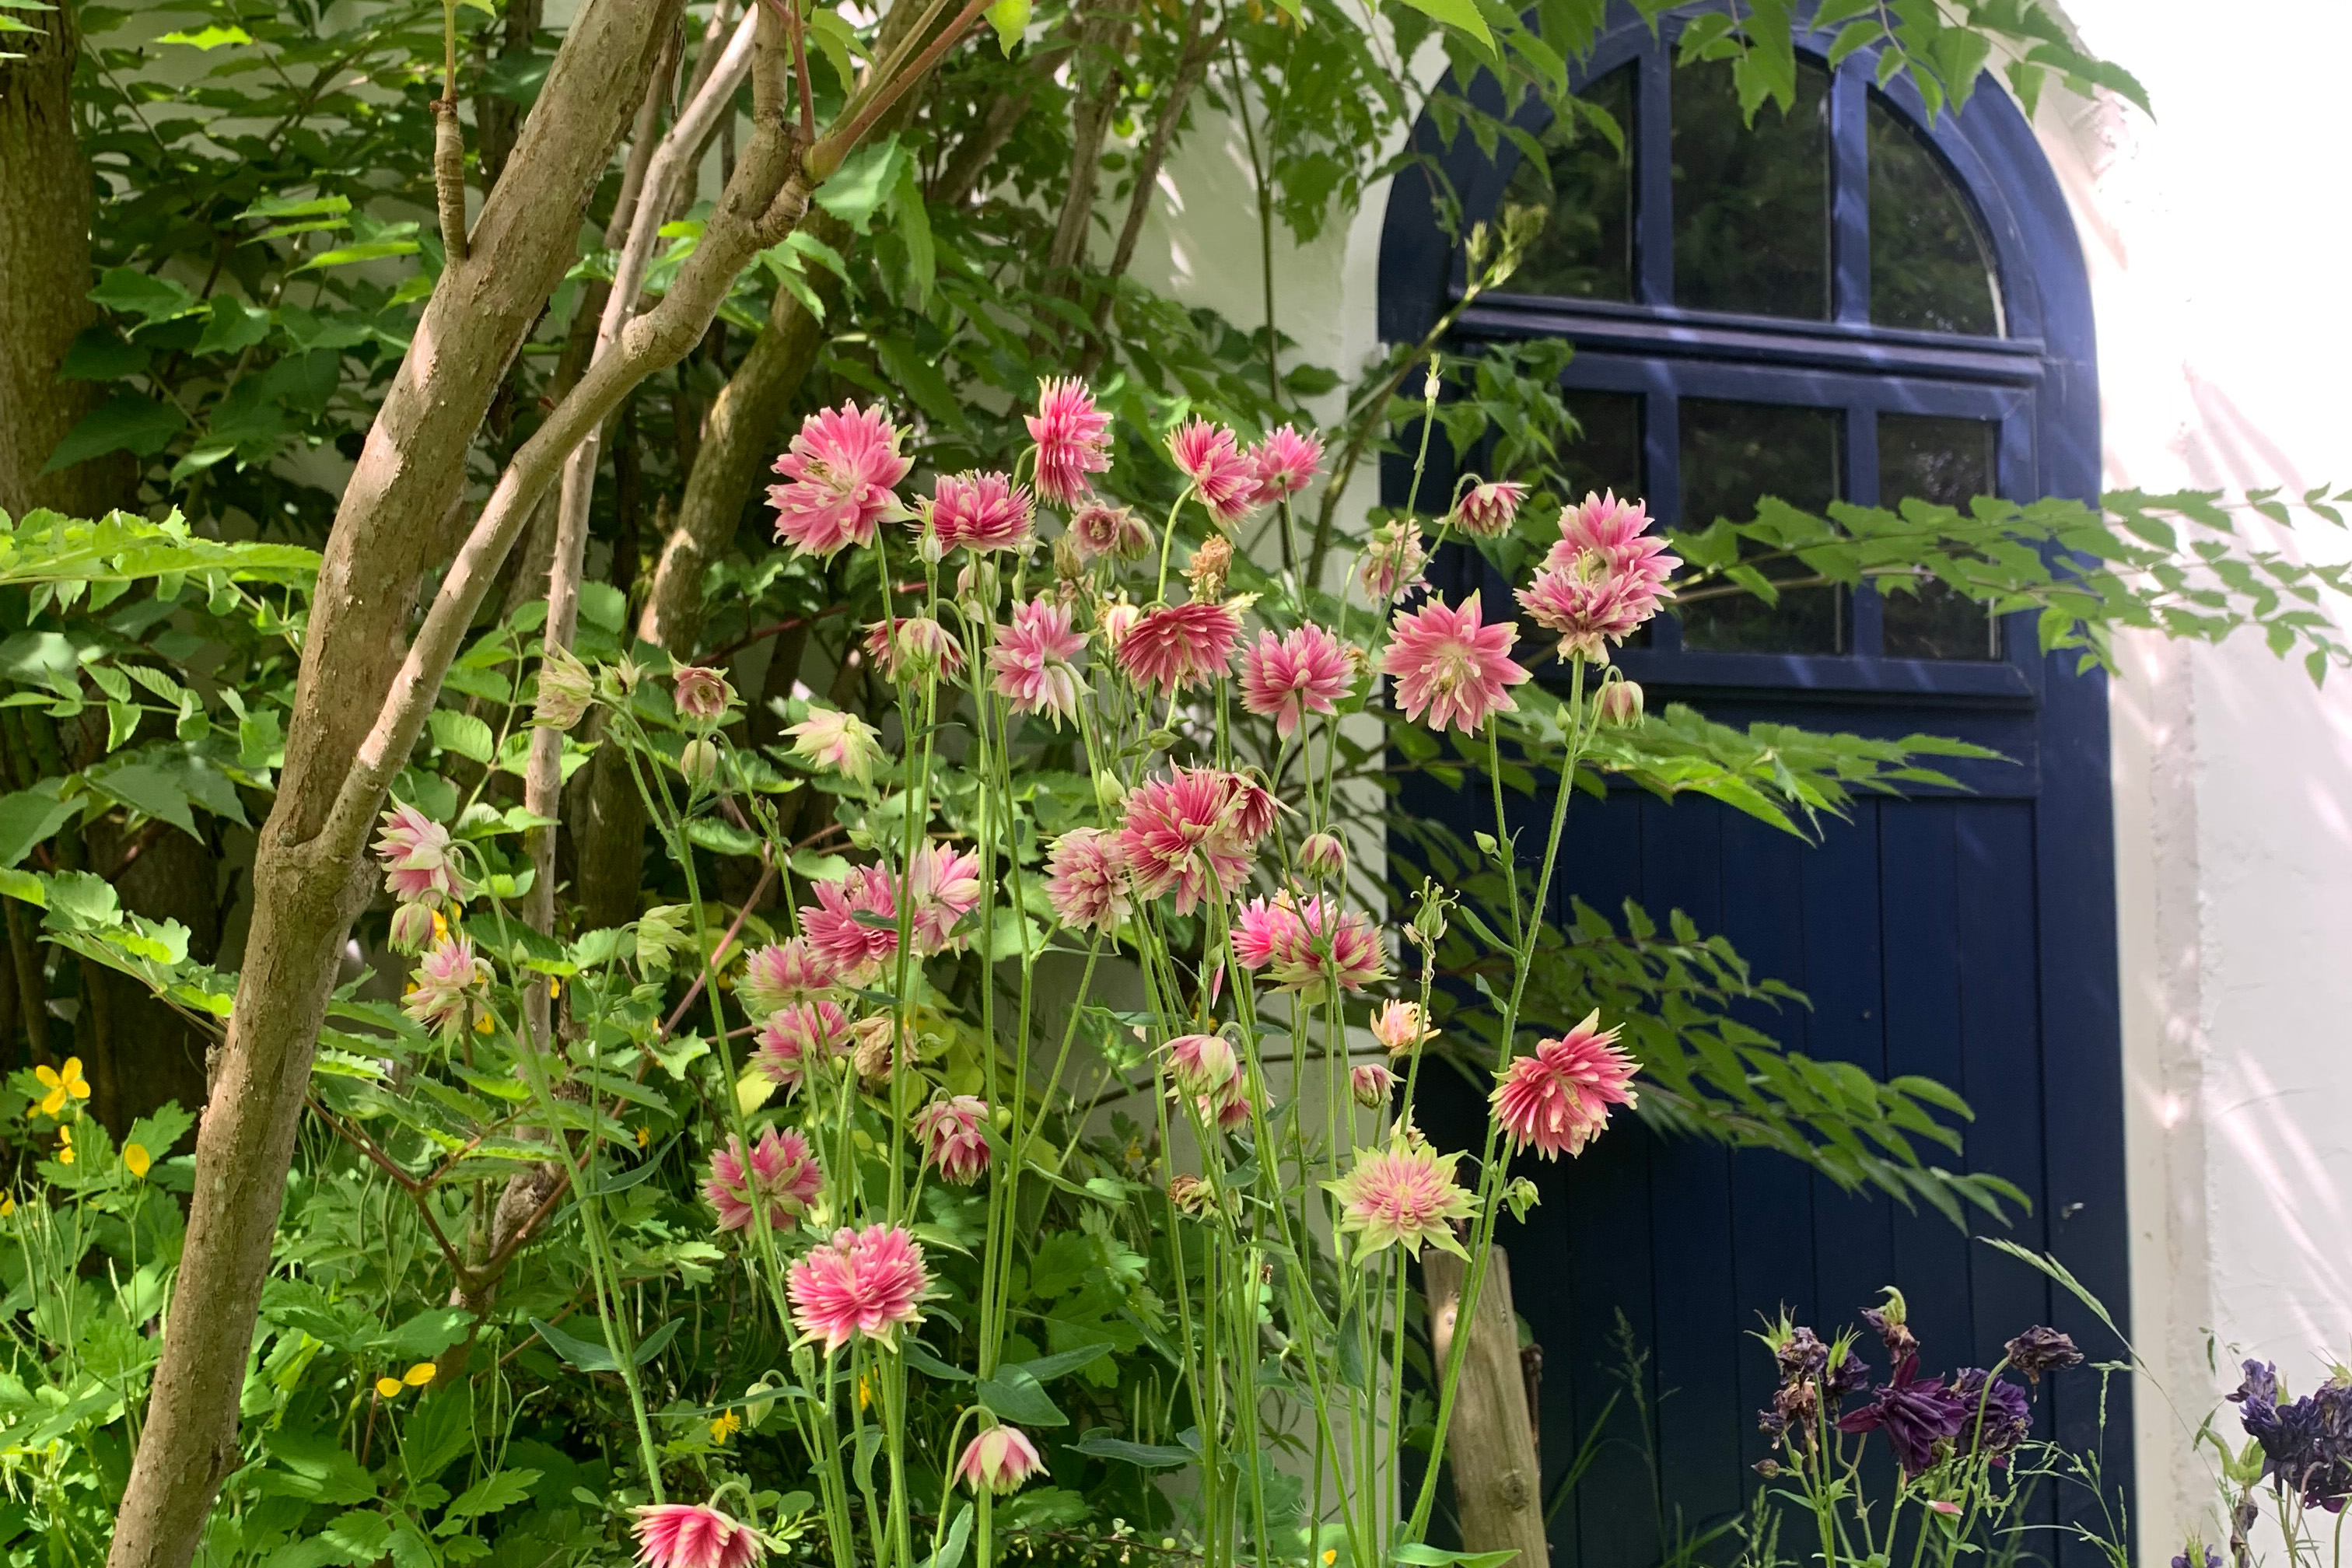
[[1860, 483], [1654, 173], [1849, 237]]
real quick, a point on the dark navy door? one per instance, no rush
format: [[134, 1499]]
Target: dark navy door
[[1845, 302]]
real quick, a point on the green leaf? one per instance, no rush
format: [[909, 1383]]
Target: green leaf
[[209, 39], [428, 1333], [1420, 1554], [123, 423], [1150, 1456], [499, 1489], [1010, 19], [145, 787], [1044, 1369], [1460, 15], [233, 327], [589, 1355], [30, 816], [314, 1467], [864, 181], [152, 298], [951, 1551], [1014, 1396], [463, 733]]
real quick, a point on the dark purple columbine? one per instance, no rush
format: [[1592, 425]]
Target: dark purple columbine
[[1997, 1417], [2306, 1444], [1800, 1355], [1891, 1323], [1850, 1376], [2197, 1554], [1914, 1413], [2039, 1349]]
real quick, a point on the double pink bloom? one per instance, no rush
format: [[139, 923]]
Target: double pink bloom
[[944, 887], [1557, 1100], [1196, 827], [1086, 879], [694, 1535], [1035, 660], [869, 1282], [1073, 440], [843, 469], [1307, 943], [1177, 646], [1301, 672], [781, 1175], [1604, 577], [1453, 666]]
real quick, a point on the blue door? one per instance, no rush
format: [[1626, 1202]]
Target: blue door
[[1847, 301]]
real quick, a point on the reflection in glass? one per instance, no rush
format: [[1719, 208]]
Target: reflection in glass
[[1586, 248], [1946, 461], [1752, 206], [1928, 268], [1732, 453], [1607, 452]]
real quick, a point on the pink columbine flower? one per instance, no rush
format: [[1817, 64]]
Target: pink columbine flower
[[784, 973], [841, 467], [837, 742], [1285, 679], [868, 1283], [1590, 607], [1400, 1028], [694, 1535], [1073, 440], [1202, 1064], [918, 647], [1618, 531], [795, 1036], [1285, 462], [1183, 830], [1035, 660], [1114, 620], [979, 511], [1178, 646], [1322, 855], [1000, 1459], [411, 928], [1392, 560], [784, 1177], [944, 887], [1404, 1195], [701, 694], [1222, 476], [1114, 531], [1086, 879], [950, 1130], [1453, 666], [1307, 943], [420, 866], [1487, 510], [854, 948], [439, 995], [1371, 1083], [1557, 1100]]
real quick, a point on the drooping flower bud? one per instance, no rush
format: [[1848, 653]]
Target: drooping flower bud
[[1190, 1195], [1000, 1459], [411, 928], [702, 695], [1400, 1028], [1209, 567], [870, 1054], [1621, 703], [1321, 854], [565, 689], [699, 761], [1202, 1064], [1371, 1084]]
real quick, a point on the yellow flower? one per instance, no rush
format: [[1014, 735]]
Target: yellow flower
[[387, 1388], [484, 1024], [725, 1426], [1330, 1555], [422, 1373], [644, 1138], [440, 927], [61, 1086], [136, 1159], [865, 1391], [554, 990], [65, 1146], [8, 1206]]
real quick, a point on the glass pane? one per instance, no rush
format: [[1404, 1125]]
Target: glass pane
[[1586, 248], [1945, 461], [1733, 454], [1752, 206], [1929, 269], [1607, 452]]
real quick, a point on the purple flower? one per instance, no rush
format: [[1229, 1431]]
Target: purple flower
[[2307, 1445], [1850, 1374], [2198, 1555], [1914, 1414], [1801, 1354], [1997, 1417], [2039, 1349]]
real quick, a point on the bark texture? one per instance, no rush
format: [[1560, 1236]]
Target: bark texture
[[1497, 1482]]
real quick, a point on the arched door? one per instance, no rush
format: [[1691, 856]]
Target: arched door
[[1847, 301]]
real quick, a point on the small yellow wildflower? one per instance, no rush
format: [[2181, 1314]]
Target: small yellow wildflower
[[137, 1160], [8, 1204], [1330, 1555], [726, 1425], [65, 1146], [62, 1086], [422, 1373], [555, 990], [484, 1024], [387, 1388], [865, 1391], [440, 927], [644, 1138]]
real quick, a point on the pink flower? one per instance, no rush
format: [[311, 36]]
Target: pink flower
[[1307, 943], [1487, 510], [1453, 666], [855, 950], [1086, 879], [694, 1535], [842, 466], [1183, 830], [701, 695], [1392, 561], [1224, 478], [1558, 1098], [411, 928], [1114, 531], [1285, 679], [945, 887], [979, 511], [1371, 1083], [1000, 1459], [1400, 1028], [921, 646], [439, 995], [1252, 806], [783, 972], [1035, 660], [784, 1177], [1322, 855], [1202, 1064], [1617, 531], [1404, 1195], [1285, 462], [419, 866], [1115, 621], [794, 1037], [1589, 611], [1178, 646], [861, 1282], [1072, 440], [837, 742], [951, 1134]]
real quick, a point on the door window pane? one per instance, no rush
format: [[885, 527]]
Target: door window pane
[[1928, 268], [1586, 248], [1946, 461], [1751, 205], [1607, 452], [1733, 454]]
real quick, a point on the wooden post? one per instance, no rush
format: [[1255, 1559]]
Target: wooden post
[[1497, 1480]]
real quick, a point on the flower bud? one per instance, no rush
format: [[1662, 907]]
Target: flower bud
[[1400, 1028], [928, 546], [999, 1460], [1371, 1083], [1202, 1064], [1322, 855], [1110, 792], [1208, 569], [1190, 1195], [702, 695], [870, 1052], [411, 928], [1621, 703], [565, 689], [699, 761]]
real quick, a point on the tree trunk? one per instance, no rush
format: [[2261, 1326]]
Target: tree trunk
[[45, 209], [1497, 1481]]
